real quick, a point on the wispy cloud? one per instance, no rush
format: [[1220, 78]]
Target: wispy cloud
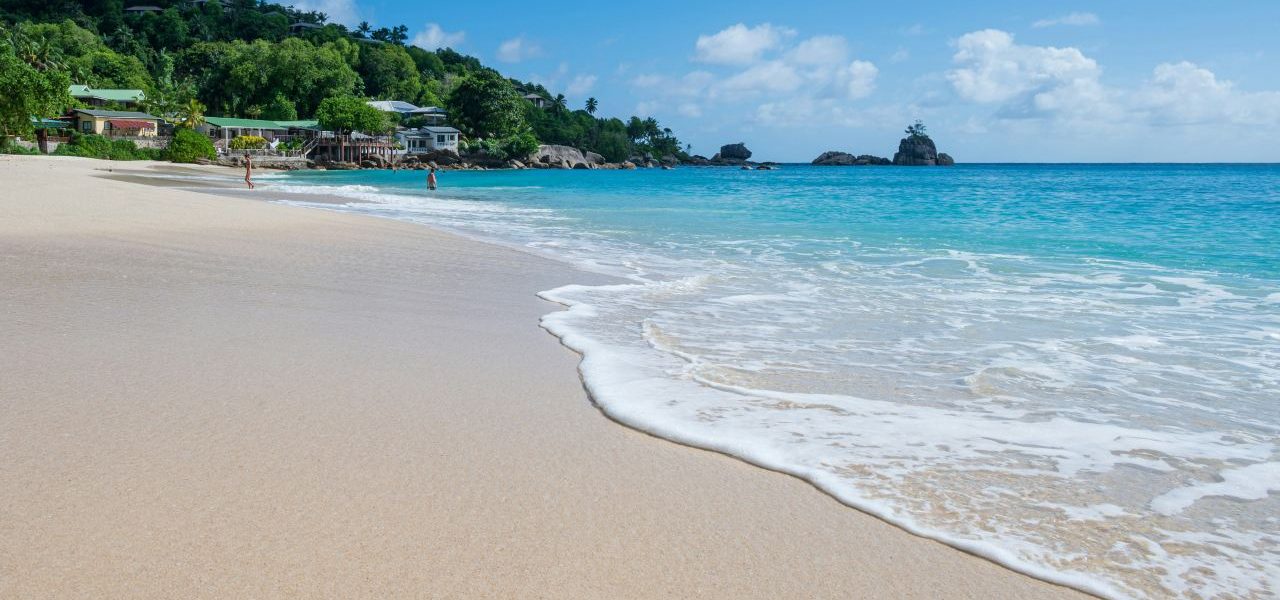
[[581, 84], [1076, 19], [433, 36], [518, 49]]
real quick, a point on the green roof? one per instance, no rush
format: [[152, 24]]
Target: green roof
[[243, 123], [116, 114], [84, 91], [303, 124], [47, 123]]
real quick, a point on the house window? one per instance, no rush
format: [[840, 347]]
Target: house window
[[440, 139], [86, 126]]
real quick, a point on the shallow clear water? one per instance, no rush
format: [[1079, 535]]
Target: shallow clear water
[[1072, 370]]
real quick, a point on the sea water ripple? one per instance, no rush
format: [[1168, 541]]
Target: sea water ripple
[[1074, 371]]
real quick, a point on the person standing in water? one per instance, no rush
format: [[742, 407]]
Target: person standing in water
[[248, 170], [431, 179]]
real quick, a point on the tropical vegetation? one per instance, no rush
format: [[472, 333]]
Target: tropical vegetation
[[258, 59]]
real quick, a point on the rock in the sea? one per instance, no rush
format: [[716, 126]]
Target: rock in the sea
[[919, 150], [843, 159], [581, 166], [736, 152], [945, 160], [697, 160], [593, 158]]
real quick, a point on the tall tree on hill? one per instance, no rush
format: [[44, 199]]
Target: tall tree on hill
[[592, 105], [485, 104]]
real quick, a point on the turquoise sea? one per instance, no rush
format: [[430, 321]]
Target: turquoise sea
[[1073, 370]]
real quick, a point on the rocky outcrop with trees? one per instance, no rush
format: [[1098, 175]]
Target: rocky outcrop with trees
[[918, 150]]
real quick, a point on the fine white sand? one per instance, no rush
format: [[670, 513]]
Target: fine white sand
[[212, 397]]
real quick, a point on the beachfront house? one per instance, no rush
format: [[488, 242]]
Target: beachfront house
[[143, 9], [225, 129], [434, 115], [537, 100], [429, 139], [101, 97], [115, 123]]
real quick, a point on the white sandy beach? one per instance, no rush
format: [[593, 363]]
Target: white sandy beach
[[214, 397]]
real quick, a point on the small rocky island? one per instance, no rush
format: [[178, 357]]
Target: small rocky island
[[914, 150]]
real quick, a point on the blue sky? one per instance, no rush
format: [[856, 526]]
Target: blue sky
[[995, 81]]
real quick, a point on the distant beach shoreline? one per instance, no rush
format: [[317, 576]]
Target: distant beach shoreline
[[218, 397]]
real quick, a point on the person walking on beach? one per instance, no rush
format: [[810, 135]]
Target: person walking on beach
[[431, 179], [248, 170]]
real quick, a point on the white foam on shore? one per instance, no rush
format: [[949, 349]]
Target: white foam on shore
[[1040, 414], [1253, 482]]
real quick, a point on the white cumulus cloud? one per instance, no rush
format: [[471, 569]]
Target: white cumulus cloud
[[1044, 82], [1077, 19], [739, 44], [518, 49], [992, 68], [433, 36], [859, 78], [1186, 94]]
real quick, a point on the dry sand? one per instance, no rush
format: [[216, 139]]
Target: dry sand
[[208, 397]]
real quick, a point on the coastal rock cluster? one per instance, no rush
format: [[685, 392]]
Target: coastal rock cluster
[[914, 150], [844, 159]]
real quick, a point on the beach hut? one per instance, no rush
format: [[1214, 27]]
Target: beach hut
[[115, 123]]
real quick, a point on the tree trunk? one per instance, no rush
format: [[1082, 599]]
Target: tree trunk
[[42, 139]]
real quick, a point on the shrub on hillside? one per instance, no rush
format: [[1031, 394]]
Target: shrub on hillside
[[187, 146]]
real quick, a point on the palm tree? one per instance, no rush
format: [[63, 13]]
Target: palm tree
[[560, 103], [592, 105], [192, 113], [364, 29]]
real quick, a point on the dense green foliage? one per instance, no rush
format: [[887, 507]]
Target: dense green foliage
[[348, 113], [187, 146], [246, 60], [96, 146], [486, 105], [27, 90]]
